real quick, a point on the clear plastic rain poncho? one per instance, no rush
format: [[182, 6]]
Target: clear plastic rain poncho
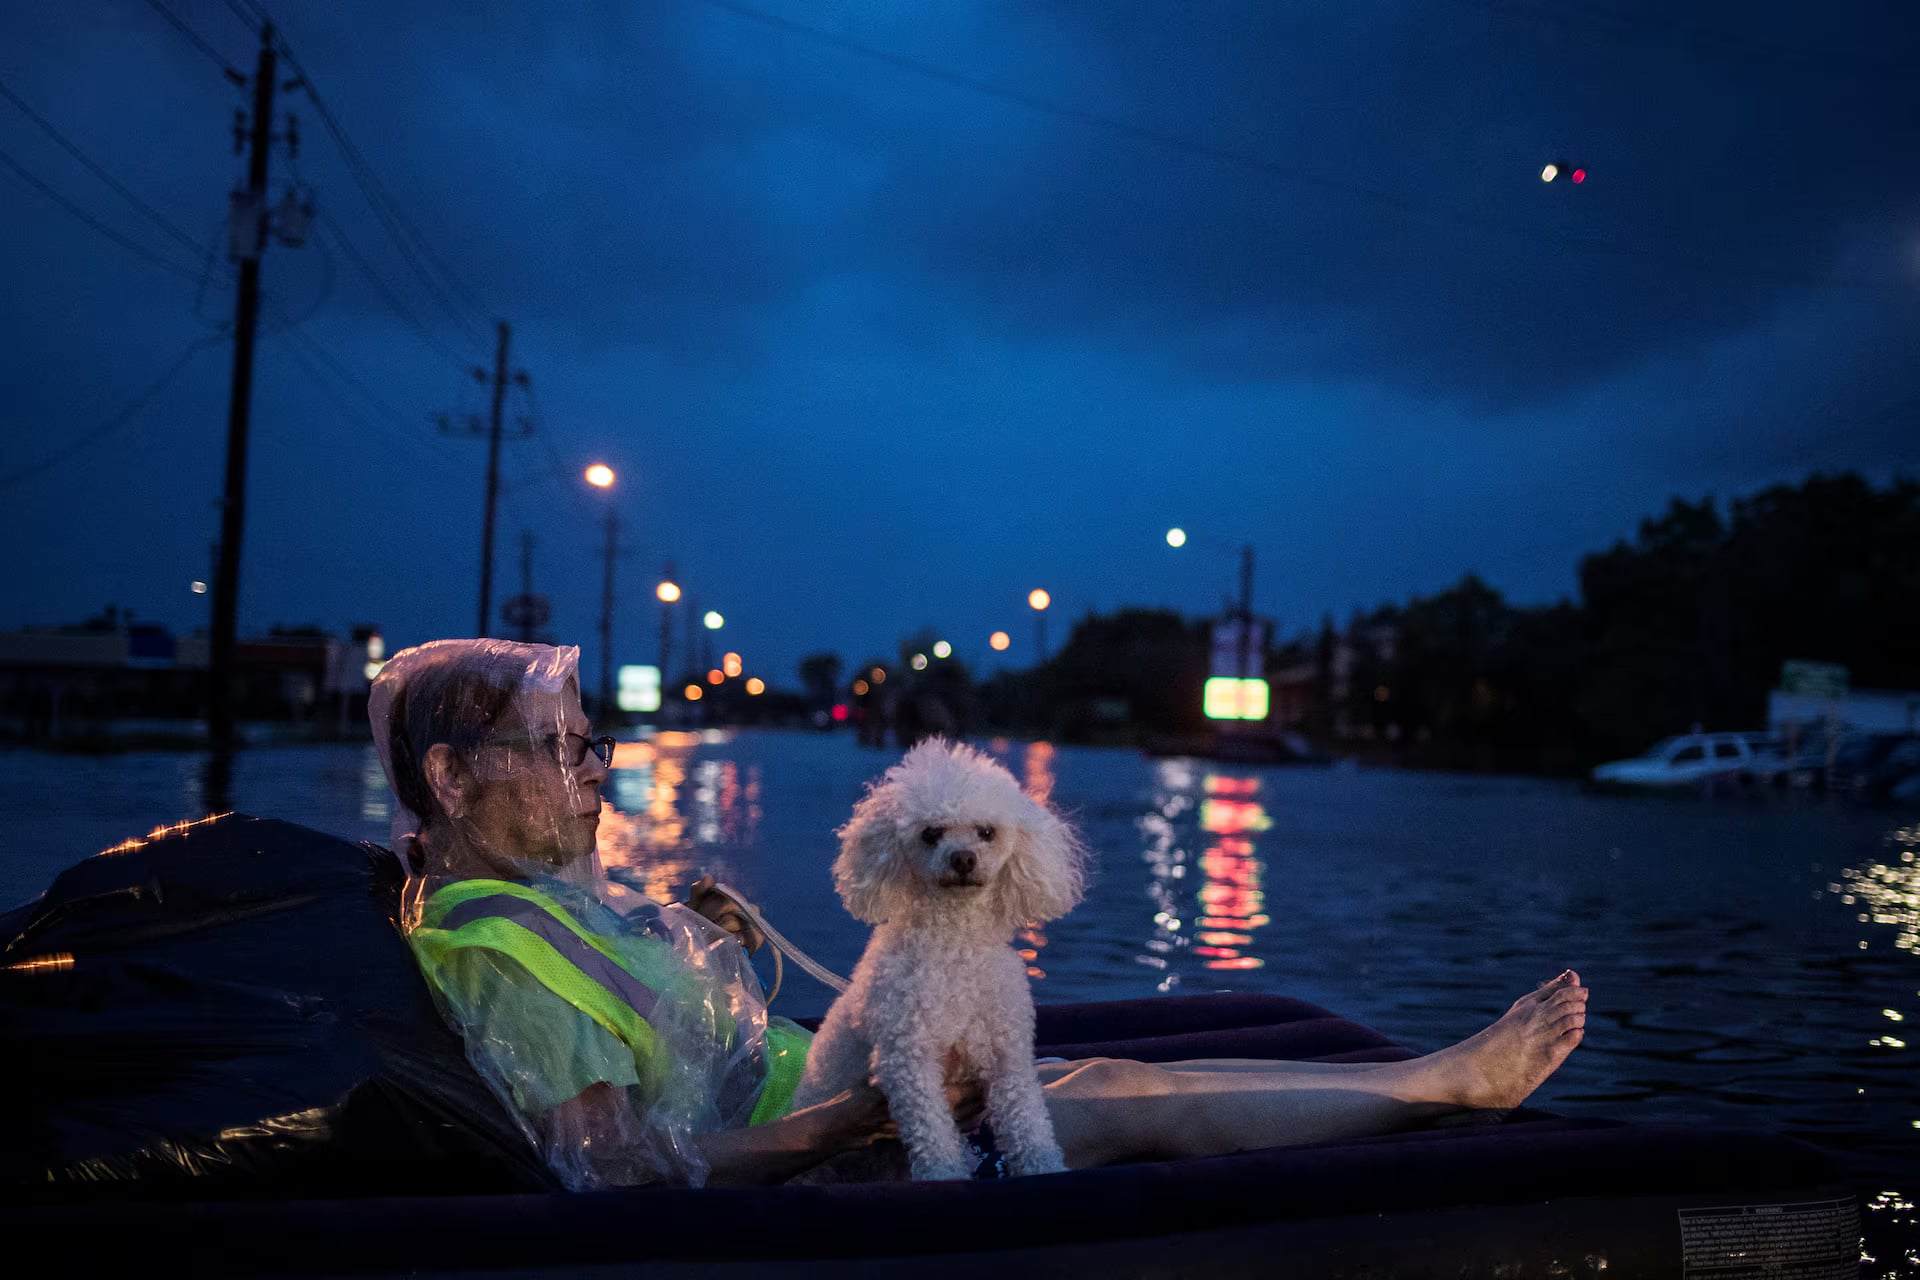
[[616, 1036]]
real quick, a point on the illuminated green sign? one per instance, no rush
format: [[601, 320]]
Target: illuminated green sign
[[1228, 698], [639, 689]]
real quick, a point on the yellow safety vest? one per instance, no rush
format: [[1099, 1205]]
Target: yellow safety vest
[[617, 986]]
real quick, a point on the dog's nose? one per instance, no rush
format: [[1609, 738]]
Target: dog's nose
[[964, 862]]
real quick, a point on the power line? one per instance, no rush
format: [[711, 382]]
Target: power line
[[339, 369], [250, 17], [414, 247], [359, 416], [130, 245], [386, 292], [46, 126], [1407, 206], [318, 361], [195, 39], [125, 415]]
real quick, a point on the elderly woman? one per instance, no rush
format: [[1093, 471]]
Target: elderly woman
[[636, 1046]]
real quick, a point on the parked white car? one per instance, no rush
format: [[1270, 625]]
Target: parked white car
[[1694, 758]]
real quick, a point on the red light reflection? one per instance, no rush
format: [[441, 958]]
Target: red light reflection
[[1231, 895]]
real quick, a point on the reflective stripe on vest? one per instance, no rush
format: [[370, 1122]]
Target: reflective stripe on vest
[[535, 919], [543, 938], [617, 987]]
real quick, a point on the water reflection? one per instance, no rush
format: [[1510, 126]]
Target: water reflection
[[1036, 767], [1215, 921], [1889, 890], [1890, 893], [667, 815], [1231, 900], [376, 799], [1037, 764]]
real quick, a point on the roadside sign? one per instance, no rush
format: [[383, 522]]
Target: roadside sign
[[1229, 699], [1815, 679], [639, 689]]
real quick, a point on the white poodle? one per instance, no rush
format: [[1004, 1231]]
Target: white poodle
[[946, 857]]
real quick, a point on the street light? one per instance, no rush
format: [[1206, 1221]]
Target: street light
[[941, 649], [1038, 600], [999, 641], [601, 477], [1245, 611], [667, 593], [713, 620]]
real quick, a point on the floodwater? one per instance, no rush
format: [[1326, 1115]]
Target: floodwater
[[1755, 962]]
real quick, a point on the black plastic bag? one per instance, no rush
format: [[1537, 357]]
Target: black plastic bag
[[229, 1004]]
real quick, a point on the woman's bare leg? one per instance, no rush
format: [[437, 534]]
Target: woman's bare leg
[[1106, 1110]]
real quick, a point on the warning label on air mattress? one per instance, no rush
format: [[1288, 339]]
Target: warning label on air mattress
[[1812, 1240]]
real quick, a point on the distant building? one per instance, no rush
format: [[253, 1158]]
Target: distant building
[[1860, 710], [1361, 653], [64, 682]]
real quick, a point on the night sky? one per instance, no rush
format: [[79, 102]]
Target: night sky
[[888, 313]]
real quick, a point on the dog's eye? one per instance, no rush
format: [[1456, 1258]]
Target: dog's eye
[[986, 835], [930, 836]]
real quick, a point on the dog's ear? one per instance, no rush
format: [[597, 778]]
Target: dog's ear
[[867, 872], [1047, 873]]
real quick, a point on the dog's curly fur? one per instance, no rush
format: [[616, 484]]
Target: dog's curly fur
[[946, 857]]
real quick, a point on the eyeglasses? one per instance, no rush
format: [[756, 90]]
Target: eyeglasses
[[569, 749]]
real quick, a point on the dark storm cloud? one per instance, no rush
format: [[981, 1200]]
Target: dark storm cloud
[[881, 338], [1386, 221]]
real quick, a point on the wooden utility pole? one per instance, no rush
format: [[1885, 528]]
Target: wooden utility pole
[[493, 484], [248, 237], [1246, 615], [526, 585], [666, 638], [605, 712]]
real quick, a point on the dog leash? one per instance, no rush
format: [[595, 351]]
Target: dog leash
[[780, 943]]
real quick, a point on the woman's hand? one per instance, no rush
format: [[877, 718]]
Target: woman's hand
[[719, 908], [860, 1115]]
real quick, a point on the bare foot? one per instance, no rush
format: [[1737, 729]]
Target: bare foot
[[1502, 1065]]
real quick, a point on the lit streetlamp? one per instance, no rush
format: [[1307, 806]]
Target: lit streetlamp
[[1038, 600], [999, 641], [1178, 538], [667, 593], [941, 649], [601, 477], [714, 620]]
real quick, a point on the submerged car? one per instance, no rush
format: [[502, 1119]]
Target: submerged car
[[1692, 759], [1877, 767]]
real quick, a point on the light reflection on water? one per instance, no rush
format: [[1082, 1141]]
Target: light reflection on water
[[1754, 965]]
